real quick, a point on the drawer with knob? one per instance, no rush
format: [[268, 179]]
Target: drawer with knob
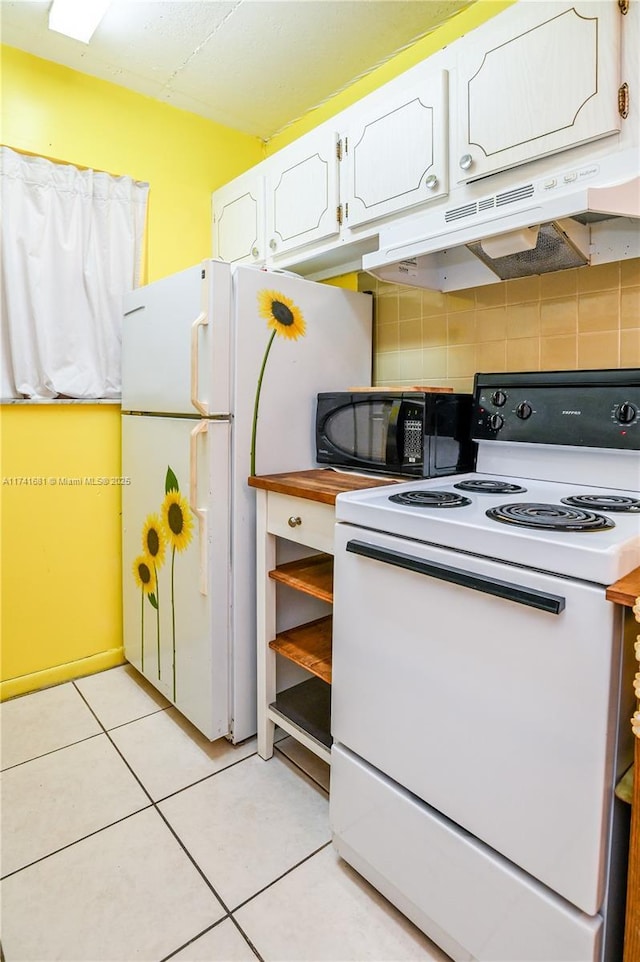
[[298, 519]]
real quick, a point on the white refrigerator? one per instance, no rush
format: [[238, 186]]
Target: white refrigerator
[[220, 370]]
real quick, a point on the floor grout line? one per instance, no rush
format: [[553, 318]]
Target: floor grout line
[[206, 778], [83, 838], [264, 888], [52, 751], [246, 938], [199, 935]]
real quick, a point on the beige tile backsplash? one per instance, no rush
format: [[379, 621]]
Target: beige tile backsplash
[[584, 318]]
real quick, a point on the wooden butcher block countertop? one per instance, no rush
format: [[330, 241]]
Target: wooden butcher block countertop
[[318, 484], [626, 590]]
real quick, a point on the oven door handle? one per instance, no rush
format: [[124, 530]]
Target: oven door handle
[[554, 604]]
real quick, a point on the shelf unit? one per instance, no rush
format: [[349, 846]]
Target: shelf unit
[[312, 575], [298, 507], [308, 645]]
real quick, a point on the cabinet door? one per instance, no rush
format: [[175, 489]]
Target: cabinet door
[[396, 149], [302, 193], [238, 219], [538, 79]]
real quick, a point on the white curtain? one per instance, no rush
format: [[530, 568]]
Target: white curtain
[[71, 247]]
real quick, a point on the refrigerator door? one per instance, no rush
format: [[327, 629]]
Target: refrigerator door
[[332, 351], [175, 343], [176, 562], [316, 337]]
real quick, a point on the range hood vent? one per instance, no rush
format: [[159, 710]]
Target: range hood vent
[[567, 219], [489, 203], [538, 250]]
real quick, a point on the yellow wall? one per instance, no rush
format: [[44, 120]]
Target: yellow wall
[[61, 581], [60, 543], [65, 115]]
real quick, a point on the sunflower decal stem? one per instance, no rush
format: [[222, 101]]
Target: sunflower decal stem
[[178, 525], [153, 544], [286, 320]]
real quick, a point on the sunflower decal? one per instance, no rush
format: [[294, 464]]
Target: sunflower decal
[[177, 520], [153, 545], [153, 540], [143, 574], [145, 578], [281, 314], [171, 528], [284, 318], [177, 523]]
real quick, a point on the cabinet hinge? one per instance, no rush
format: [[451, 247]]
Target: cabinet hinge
[[339, 149], [624, 6], [339, 214], [623, 101]]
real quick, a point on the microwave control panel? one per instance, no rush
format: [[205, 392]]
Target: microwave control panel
[[413, 435]]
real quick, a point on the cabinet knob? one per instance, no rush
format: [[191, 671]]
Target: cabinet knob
[[272, 243], [466, 161], [294, 522], [255, 252], [431, 182]]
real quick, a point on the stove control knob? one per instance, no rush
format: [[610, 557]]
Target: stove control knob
[[496, 421], [498, 398], [626, 413], [524, 411]]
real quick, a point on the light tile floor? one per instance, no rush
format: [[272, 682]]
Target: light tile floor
[[126, 835]]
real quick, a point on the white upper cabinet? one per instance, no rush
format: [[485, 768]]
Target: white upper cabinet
[[538, 79], [238, 219], [302, 193], [395, 150]]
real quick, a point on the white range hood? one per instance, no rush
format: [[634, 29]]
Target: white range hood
[[566, 218]]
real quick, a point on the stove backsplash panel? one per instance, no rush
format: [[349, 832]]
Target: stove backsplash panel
[[581, 318]]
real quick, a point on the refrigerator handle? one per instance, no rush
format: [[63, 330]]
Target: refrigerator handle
[[200, 513], [200, 321]]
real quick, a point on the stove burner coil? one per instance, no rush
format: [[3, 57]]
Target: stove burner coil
[[604, 502], [551, 517], [430, 499], [489, 486]]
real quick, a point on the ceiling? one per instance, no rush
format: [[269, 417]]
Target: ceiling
[[254, 65]]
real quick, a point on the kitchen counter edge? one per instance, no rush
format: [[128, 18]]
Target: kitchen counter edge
[[626, 590], [318, 484]]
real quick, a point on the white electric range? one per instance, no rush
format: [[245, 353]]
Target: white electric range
[[482, 683]]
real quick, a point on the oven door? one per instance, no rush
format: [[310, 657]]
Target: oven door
[[487, 690]]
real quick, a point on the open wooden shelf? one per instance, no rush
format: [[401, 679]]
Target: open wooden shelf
[[308, 706], [312, 575], [308, 645]]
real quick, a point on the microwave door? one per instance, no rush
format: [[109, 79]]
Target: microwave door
[[357, 433]]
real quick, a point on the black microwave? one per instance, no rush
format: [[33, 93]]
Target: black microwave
[[414, 433]]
